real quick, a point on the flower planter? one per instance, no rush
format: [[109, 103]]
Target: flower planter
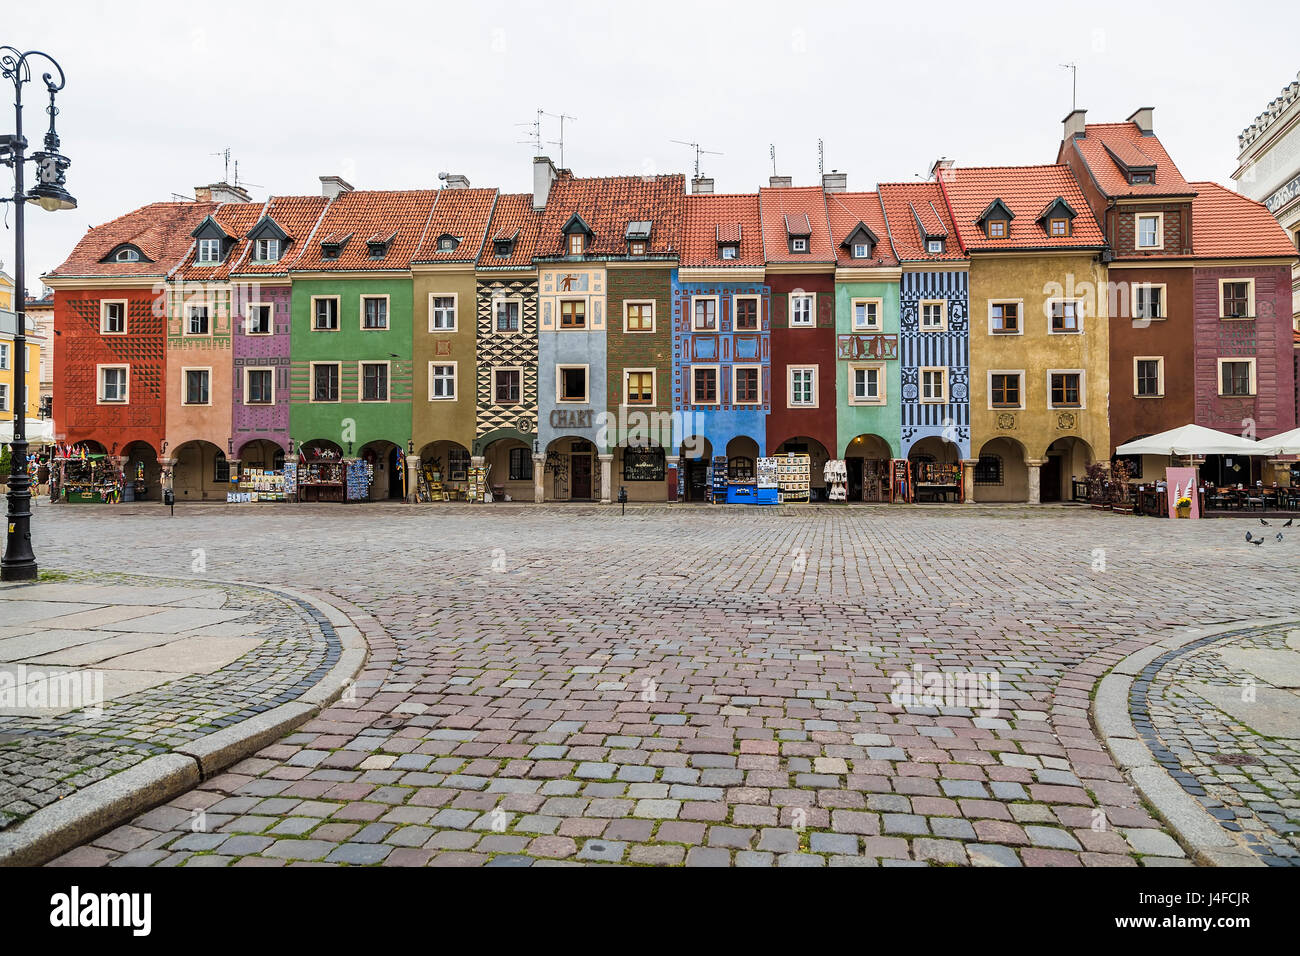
[[1183, 511]]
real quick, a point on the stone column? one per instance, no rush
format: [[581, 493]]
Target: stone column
[[606, 477], [968, 480], [119, 462], [165, 474], [539, 479], [412, 477], [1035, 484]]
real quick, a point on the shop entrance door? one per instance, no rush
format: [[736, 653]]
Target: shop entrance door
[[854, 467], [697, 480], [1049, 487], [580, 485], [396, 470]]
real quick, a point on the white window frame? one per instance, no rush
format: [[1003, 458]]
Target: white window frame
[[338, 313], [266, 245], [4, 396], [1254, 385], [1159, 244], [654, 387], [500, 300], [581, 241], [812, 310], [361, 312], [943, 315], [790, 371], [1164, 301], [717, 384], [311, 383], [497, 370], [455, 312], [202, 258], [728, 250], [881, 397], [1160, 375], [204, 304], [455, 382], [654, 316], [4, 356], [735, 369], [717, 313], [1020, 316], [1078, 316], [942, 398], [1083, 387], [99, 384], [1024, 389], [248, 318], [259, 368], [865, 247], [934, 247], [1250, 301], [758, 311], [559, 384], [103, 315], [185, 383], [868, 326], [798, 244]]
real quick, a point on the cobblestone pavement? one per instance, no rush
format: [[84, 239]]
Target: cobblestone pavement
[[1223, 717], [174, 663], [693, 685]]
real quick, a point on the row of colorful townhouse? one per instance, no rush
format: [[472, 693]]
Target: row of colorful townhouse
[[1014, 323]]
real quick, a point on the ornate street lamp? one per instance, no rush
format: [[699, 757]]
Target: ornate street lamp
[[19, 562]]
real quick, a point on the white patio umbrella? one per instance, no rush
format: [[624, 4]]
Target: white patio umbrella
[[1287, 443], [1193, 440], [40, 431]]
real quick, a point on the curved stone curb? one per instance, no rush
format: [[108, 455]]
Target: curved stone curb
[[1200, 834], [85, 814]]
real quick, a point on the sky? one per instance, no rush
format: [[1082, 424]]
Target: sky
[[389, 94]]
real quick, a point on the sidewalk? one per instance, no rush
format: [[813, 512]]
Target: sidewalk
[[116, 690]]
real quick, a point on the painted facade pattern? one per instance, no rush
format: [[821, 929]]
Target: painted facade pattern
[[948, 349], [506, 350], [267, 422]]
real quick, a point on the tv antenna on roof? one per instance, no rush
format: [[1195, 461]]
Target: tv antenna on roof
[[225, 153], [771, 151], [821, 157], [559, 142], [699, 151], [536, 136], [238, 182], [1074, 84]]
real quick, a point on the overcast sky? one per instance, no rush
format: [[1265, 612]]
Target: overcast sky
[[388, 94]]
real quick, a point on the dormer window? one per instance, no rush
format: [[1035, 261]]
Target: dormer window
[[637, 235], [995, 220], [636, 248], [934, 246], [447, 243], [209, 250], [1057, 218], [266, 250], [330, 250], [576, 233], [213, 242], [577, 243], [502, 248], [861, 250], [127, 254], [728, 251], [997, 228], [798, 244], [1058, 227], [1140, 178]]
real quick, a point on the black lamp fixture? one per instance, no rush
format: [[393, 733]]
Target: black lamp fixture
[[19, 561]]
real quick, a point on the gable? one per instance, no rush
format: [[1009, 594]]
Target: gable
[[267, 228]]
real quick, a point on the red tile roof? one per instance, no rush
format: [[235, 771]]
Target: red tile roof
[[846, 211], [363, 214], [463, 213], [514, 216], [298, 216], [1026, 191], [711, 217], [1225, 224], [160, 230], [236, 218], [775, 205], [904, 204], [1103, 143], [607, 204]]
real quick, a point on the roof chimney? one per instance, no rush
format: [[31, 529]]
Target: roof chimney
[[454, 181], [778, 182], [224, 192], [332, 187], [544, 175], [1142, 119], [835, 181], [701, 184], [203, 194], [942, 169], [1074, 124]]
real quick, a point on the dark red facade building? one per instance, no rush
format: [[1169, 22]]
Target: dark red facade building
[[801, 274]]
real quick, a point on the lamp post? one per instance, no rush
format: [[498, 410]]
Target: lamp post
[[19, 562]]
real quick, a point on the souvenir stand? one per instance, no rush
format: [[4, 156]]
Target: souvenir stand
[[85, 479], [428, 483], [769, 483], [742, 483], [876, 480], [261, 484], [322, 476], [359, 475], [900, 485], [476, 489], [794, 476], [717, 486], [932, 481], [836, 475]]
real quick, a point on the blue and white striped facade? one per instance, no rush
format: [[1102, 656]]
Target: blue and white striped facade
[[950, 348]]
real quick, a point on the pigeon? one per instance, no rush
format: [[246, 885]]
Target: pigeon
[[1263, 522], [1257, 542], [1279, 536], [1287, 524], [1249, 536]]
